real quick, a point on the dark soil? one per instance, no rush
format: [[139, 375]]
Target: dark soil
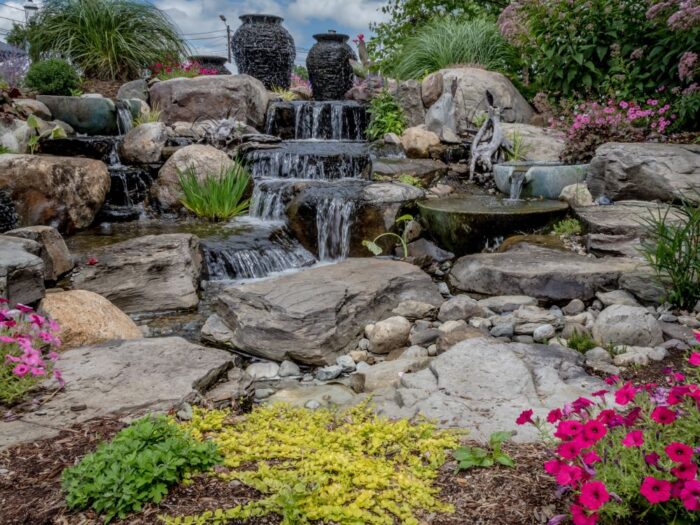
[[654, 372], [30, 493], [106, 88]]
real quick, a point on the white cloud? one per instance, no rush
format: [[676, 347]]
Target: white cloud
[[356, 14]]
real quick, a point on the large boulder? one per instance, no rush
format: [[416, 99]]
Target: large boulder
[[146, 274], [205, 160], [544, 273], [34, 107], [621, 324], [315, 315], [626, 218], [90, 115], [543, 144], [211, 97], [124, 379], [408, 95], [427, 170], [134, 89], [87, 318], [144, 143], [21, 270], [464, 95], [54, 252], [418, 140], [483, 385], [646, 171], [64, 192]]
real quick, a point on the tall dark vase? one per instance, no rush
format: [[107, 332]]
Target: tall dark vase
[[328, 63], [263, 49]]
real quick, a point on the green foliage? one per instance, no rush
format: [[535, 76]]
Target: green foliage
[[217, 196], [600, 48], [300, 71], [4, 149], [136, 467], [285, 94], [687, 109], [406, 16], [520, 149], [345, 467], [671, 246], [52, 77], [447, 42], [107, 39], [581, 342], [469, 457], [386, 116], [376, 249], [37, 135], [411, 180], [150, 116], [567, 227]]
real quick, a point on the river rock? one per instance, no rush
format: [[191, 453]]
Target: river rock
[[125, 379], [263, 370], [639, 355], [616, 297], [63, 192], [206, 160], [146, 274], [627, 325], [576, 195], [389, 334], [645, 171], [89, 115], [54, 252], [319, 313], [34, 107], [543, 333], [624, 217], [507, 303], [407, 94], [543, 273], [461, 307], [211, 97], [431, 88], [483, 385], [144, 143], [541, 144], [418, 140], [87, 318], [415, 310], [134, 89], [21, 270], [427, 170]]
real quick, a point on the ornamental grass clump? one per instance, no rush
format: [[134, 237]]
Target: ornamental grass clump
[[325, 466], [216, 197], [632, 462], [136, 467], [107, 39], [28, 344]]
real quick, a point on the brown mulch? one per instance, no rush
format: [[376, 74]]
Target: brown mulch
[[107, 88], [30, 493], [523, 495], [654, 372]]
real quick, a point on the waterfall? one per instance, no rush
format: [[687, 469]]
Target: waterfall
[[517, 179], [250, 264], [267, 204], [334, 217], [315, 120], [125, 120]]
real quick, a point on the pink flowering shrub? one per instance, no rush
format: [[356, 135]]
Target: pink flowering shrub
[[635, 461], [28, 344], [184, 70], [592, 124]]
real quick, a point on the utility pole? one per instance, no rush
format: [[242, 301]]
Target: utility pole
[[228, 36]]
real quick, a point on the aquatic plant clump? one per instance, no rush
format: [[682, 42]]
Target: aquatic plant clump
[[326, 466], [217, 196]]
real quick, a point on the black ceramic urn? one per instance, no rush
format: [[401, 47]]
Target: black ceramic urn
[[328, 63], [263, 49]]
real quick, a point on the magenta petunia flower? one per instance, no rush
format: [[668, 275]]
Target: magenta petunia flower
[[579, 516], [633, 439], [591, 457], [679, 452], [594, 430], [554, 415], [655, 490], [685, 471], [625, 394], [663, 415], [690, 495], [524, 417], [568, 450], [568, 429], [20, 370], [694, 359], [652, 459], [594, 495]]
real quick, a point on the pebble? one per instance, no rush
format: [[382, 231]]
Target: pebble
[[361, 366], [289, 368], [262, 393], [363, 344], [575, 307], [503, 330], [346, 363], [444, 289], [596, 305], [598, 354], [307, 378], [432, 350], [358, 356], [328, 373], [263, 370], [312, 404], [688, 321], [543, 333], [527, 339], [668, 318]]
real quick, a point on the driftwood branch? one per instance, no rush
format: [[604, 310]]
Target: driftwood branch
[[489, 142]]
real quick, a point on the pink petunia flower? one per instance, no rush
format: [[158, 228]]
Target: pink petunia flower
[[591, 457], [694, 359], [594, 430], [568, 429], [652, 459], [633, 439], [568, 450], [625, 394], [679, 452], [594, 495], [690, 495], [20, 370], [524, 418], [663, 415], [655, 490], [685, 471], [580, 517], [554, 415]]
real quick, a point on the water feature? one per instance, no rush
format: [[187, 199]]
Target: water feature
[[516, 185], [334, 217], [327, 120], [125, 120]]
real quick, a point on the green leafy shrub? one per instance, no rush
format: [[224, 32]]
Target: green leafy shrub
[[672, 249], [567, 227], [52, 77], [447, 42], [107, 39], [581, 342], [218, 196], [470, 457], [386, 116], [376, 249], [136, 467]]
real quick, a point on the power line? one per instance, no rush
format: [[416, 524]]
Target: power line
[[12, 19], [207, 38], [12, 6], [204, 33]]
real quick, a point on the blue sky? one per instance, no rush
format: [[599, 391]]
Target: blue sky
[[199, 19]]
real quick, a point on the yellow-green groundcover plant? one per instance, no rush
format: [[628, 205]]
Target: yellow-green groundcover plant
[[348, 467]]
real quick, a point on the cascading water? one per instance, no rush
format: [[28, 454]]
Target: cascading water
[[517, 180], [334, 217], [267, 204], [125, 120], [313, 120]]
